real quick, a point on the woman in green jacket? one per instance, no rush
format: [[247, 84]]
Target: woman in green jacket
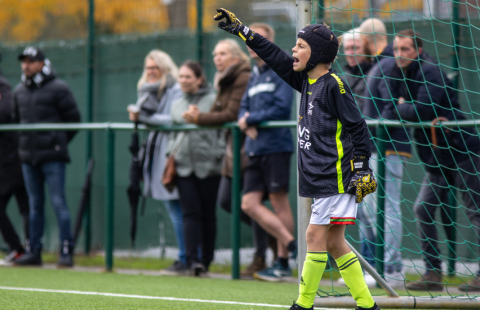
[[198, 162]]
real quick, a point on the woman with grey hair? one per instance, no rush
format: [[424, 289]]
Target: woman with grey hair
[[157, 90]]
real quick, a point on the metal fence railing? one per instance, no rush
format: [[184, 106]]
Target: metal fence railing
[[111, 128]]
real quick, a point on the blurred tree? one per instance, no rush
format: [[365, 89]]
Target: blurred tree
[[33, 20], [27, 20]]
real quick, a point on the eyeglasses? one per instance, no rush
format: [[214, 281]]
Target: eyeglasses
[[152, 68]]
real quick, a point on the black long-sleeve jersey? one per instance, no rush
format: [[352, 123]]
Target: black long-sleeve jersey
[[331, 129]]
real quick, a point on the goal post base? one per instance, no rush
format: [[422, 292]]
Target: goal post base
[[404, 302]]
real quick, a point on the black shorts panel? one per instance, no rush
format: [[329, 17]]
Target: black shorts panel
[[269, 173]]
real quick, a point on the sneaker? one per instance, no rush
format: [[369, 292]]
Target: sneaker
[[29, 259], [276, 273], [430, 281], [395, 279], [177, 269], [298, 307], [11, 257], [66, 256], [472, 286], [375, 307], [197, 269], [257, 264]]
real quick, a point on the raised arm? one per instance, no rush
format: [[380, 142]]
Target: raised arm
[[277, 59]]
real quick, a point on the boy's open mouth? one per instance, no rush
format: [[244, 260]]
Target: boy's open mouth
[[295, 60]]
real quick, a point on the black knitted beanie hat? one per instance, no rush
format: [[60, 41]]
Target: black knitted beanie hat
[[323, 43]]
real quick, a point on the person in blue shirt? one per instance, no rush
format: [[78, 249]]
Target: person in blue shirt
[[267, 98]]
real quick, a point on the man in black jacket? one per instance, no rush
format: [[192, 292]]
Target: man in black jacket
[[423, 93], [11, 179], [41, 98]]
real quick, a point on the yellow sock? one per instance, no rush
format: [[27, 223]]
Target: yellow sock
[[312, 272], [351, 272]]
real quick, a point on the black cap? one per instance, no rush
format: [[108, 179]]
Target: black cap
[[323, 43], [32, 53]]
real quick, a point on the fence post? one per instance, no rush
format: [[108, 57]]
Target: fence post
[[452, 212], [88, 116], [304, 17], [452, 199], [200, 31], [109, 198], [236, 202], [381, 142]]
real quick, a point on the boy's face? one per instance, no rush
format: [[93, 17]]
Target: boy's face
[[301, 55]]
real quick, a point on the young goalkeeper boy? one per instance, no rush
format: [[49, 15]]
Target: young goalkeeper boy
[[333, 151]]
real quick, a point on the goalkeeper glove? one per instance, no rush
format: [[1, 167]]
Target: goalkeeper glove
[[233, 25], [363, 182]]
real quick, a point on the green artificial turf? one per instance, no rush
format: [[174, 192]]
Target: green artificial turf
[[161, 286], [180, 287]]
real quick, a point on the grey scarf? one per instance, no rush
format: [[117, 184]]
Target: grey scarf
[[149, 95]]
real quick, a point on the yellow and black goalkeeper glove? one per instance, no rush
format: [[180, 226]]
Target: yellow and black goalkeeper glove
[[233, 25], [363, 182]]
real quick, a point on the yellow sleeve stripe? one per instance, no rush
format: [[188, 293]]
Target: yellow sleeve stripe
[[241, 36], [340, 156]]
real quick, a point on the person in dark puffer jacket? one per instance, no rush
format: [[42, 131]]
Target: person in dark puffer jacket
[[11, 179], [42, 98], [422, 92]]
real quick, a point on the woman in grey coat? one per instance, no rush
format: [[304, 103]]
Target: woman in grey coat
[[198, 163], [157, 90]]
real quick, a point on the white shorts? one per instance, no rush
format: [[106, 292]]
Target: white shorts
[[340, 209]]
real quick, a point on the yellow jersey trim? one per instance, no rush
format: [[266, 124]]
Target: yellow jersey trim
[[340, 156], [311, 81]]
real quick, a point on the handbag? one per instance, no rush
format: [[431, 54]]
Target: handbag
[[170, 172]]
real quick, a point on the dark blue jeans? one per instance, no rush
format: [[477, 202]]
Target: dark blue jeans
[[53, 173]]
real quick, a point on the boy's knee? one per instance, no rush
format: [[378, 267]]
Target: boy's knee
[[247, 207], [311, 237], [249, 204], [331, 245], [314, 237]]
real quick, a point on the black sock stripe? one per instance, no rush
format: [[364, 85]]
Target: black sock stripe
[[348, 261], [343, 268], [317, 252], [319, 261]]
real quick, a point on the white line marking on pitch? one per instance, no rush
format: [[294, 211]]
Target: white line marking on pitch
[[140, 296], [145, 297]]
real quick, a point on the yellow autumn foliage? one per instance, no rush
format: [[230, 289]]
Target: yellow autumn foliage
[[29, 20]]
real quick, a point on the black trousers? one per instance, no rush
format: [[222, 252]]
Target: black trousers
[[466, 178], [6, 228], [260, 236], [198, 199]]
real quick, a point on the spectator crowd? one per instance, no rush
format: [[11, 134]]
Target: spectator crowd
[[395, 80]]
